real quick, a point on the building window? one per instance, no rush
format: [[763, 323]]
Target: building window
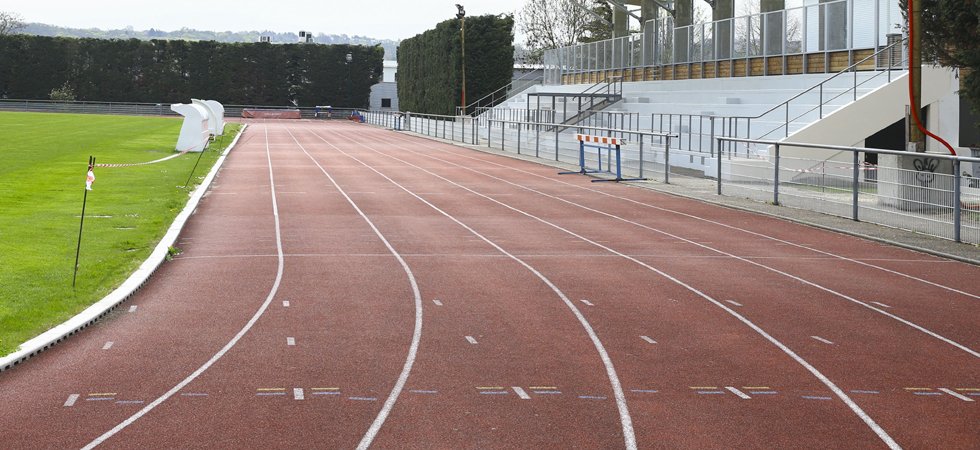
[[386, 103]]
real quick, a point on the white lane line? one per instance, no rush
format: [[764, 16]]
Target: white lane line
[[881, 304], [730, 255], [437, 302], [132, 308], [587, 303], [626, 421], [737, 392], [248, 326], [298, 394], [870, 422], [733, 302], [822, 340], [520, 392], [285, 303], [290, 341], [471, 340], [107, 345], [71, 400], [956, 394], [413, 348], [647, 338]]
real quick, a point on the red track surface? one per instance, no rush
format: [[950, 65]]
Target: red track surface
[[549, 312]]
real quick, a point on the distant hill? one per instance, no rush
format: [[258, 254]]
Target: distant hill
[[189, 34]]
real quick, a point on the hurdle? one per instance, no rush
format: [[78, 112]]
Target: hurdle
[[601, 143]]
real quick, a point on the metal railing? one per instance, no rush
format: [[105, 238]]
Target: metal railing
[[498, 96], [144, 109]]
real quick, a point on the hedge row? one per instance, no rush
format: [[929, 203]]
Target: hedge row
[[160, 71], [430, 70]]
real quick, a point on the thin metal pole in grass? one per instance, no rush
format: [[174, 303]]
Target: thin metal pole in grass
[[81, 223], [195, 167]]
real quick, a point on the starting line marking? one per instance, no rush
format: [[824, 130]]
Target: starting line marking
[[521, 393], [71, 400], [648, 339], [471, 340], [822, 340]]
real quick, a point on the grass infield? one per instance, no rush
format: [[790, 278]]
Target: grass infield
[[42, 181]]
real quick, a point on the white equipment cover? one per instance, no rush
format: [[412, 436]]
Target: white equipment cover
[[195, 132], [216, 115]]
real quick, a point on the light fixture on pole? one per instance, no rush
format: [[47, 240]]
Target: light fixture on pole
[[461, 15], [349, 59]]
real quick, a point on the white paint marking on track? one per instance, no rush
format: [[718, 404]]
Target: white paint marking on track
[[298, 394], [521, 393], [437, 302], [648, 339], [737, 392], [471, 340], [290, 341], [71, 400], [224, 350], [881, 305], [587, 303], [107, 345], [626, 421], [132, 308], [825, 341], [733, 302], [746, 260], [285, 303], [413, 348], [880, 432], [956, 394]]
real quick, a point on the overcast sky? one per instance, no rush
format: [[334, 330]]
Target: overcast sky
[[385, 19]]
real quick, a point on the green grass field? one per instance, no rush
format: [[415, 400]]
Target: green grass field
[[42, 182]]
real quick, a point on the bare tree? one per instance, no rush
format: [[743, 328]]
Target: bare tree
[[10, 23], [549, 24]]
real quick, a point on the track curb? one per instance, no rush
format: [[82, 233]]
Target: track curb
[[129, 287]]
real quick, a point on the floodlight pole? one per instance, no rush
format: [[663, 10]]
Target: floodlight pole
[[349, 59], [461, 15]]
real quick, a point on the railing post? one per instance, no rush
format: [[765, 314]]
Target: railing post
[[957, 201], [820, 103], [641, 155], [719, 171], [519, 126], [667, 161], [489, 127], [856, 180], [775, 178]]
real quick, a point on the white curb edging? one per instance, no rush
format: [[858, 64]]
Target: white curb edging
[[132, 284]]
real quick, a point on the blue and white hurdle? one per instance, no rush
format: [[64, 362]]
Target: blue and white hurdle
[[601, 143]]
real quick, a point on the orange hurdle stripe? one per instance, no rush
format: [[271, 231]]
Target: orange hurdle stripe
[[600, 139]]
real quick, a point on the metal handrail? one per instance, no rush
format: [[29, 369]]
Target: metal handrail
[[492, 95]]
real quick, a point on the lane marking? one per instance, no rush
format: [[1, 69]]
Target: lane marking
[[822, 340], [733, 302], [103, 394], [285, 303], [816, 397], [592, 397], [71, 400], [644, 391], [880, 432], [290, 341], [494, 392], [326, 389], [704, 387], [968, 389], [710, 392], [756, 387], [863, 391], [587, 303], [437, 302], [547, 392], [956, 394], [495, 388], [647, 338], [193, 394], [626, 422], [363, 399], [97, 399], [107, 345], [396, 390], [928, 393], [268, 394], [248, 326], [422, 391], [918, 389], [270, 389], [881, 305], [544, 388], [620, 396], [763, 392], [737, 392], [298, 394], [132, 308], [129, 402], [523, 395], [471, 339]]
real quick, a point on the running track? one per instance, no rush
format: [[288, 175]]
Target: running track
[[346, 286]]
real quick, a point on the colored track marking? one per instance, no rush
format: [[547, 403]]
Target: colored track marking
[[825, 341], [737, 392], [71, 400], [880, 304], [521, 393], [648, 339], [956, 394], [471, 340]]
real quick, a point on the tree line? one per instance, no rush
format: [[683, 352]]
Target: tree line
[[169, 71], [430, 70]]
